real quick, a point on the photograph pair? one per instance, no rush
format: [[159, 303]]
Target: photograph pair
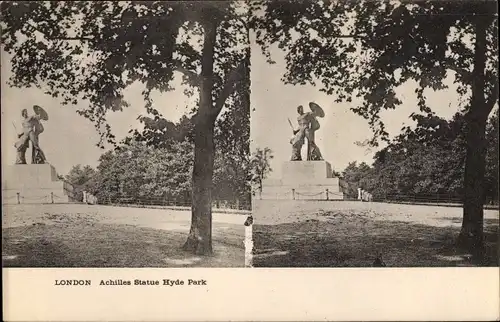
[[249, 134]]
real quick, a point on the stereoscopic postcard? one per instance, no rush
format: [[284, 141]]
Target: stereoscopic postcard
[[250, 160]]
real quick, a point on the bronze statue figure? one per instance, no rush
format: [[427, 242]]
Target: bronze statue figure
[[308, 124], [32, 128]]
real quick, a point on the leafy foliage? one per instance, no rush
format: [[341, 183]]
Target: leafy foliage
[[82, 178], [260, 166], [79, 175], [427, 161], [139, 173], [366, 49], [357, 176], [94, 51], [232, 134]]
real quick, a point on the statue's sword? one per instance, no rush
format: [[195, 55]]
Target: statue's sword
[[15, 128], [291, 125]]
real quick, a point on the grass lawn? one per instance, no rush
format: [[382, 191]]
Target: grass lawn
[[353, 239], [83, 240]]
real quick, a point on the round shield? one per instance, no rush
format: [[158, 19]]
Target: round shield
[[40, 111], [316, 109]]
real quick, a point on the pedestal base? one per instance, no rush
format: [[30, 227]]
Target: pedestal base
[[304, 180], [34, 183]]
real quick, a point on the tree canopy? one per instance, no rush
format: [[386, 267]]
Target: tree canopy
[[362, 51], [138, 173], [427, 161], [80, 175], [95, 50], [260, 167]]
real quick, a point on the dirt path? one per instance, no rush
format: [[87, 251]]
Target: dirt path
[[79, 235], [287, 211], [353, 234]]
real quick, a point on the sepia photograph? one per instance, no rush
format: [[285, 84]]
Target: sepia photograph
[[384, 144], [125, 134], [194, 145]]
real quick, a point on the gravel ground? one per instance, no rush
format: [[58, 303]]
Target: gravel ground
[[353, 234], [69, 235]]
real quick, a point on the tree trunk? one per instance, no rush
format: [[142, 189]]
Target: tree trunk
[[200, 235], [199, 240], [471, 234]]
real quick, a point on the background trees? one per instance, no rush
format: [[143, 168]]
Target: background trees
[[357, 176], [137, 173], [425, 162], [153, 165], [260, 167], [81, 177], [361, 51]]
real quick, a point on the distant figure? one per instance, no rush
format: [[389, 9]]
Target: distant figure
[[378, 261], [249, 221], [32, 128]]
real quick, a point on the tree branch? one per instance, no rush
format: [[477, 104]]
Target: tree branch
[[234, 77], [449, 64], [79, 38], [349, 36], [493, 97], [82, 38], [194, 77]]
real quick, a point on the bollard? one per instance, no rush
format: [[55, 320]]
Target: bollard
[[327, 195], [51, 197], [249, 242], [18, 198]]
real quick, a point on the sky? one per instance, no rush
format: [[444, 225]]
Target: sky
[[70, 139]]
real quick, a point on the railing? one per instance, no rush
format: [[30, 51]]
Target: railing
[[438, 199], [320, 195], [48, 198], [143, 202], [293, 194]]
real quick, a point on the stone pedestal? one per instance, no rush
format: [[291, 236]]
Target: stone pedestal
[[34, 183], [304, 180]]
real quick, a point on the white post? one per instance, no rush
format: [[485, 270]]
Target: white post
[[359, 194], [248, 242]]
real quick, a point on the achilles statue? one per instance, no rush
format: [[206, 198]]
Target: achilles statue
[[32, 128], [308, 124]]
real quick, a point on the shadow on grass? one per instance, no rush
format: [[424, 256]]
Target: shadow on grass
[[105, 245], [355, 242]]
